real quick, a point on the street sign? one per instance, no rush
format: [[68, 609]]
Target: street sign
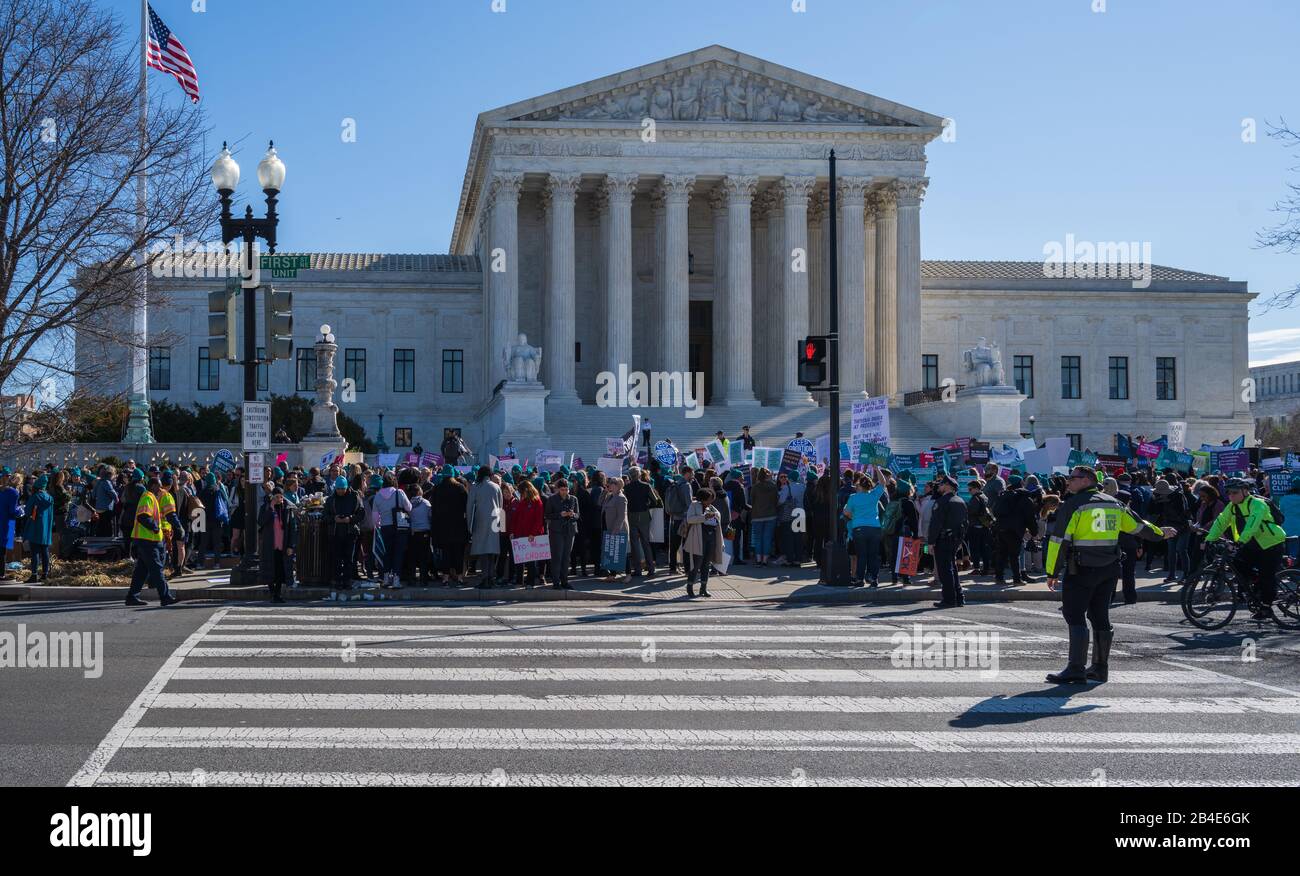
[[257, 426], [285, 267], [256, 468]]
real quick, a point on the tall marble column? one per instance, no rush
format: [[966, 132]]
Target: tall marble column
[[562, 189], [717, 368], [853, 289], [776, 304], [620, 187], [600, 218], [677, 190], [886, 209], [818, 275], [797, 263], [502, 276], [740, 386], [910, 192], [650, 311], [872, 327]]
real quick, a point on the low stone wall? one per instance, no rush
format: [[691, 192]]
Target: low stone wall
[[24, 457]]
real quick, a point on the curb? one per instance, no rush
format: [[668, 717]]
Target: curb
[[854, 596]]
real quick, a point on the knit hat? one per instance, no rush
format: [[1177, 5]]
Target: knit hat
[[340, 483], [1162, 488], [1015, 482], [41, 482], [376, 482]]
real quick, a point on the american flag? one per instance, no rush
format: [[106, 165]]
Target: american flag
[[166, 53]]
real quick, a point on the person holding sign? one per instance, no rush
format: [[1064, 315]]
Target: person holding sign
[[614, 511], [526, 521]]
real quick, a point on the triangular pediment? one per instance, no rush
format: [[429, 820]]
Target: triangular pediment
[[714, 85]]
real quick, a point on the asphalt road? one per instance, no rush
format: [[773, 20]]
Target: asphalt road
[[675, 693]]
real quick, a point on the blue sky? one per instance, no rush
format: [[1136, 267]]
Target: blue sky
[[1122, 125]]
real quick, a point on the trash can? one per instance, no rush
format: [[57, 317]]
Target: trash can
[[313, 549]]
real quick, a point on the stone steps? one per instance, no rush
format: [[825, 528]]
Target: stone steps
[[582, 429]]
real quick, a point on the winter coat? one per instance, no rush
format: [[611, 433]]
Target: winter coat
[[694, 542], [447, 525], [763, 500], [615, 514], [482, 511], [266, 537], [526, 519], [555, 506], [8, 515], [39, 519]]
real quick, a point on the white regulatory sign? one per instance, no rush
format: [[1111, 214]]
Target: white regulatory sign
[[257, 426], [256, 468]]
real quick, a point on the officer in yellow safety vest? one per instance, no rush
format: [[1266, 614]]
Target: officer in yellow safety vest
[[147, 543], [1084, 554]]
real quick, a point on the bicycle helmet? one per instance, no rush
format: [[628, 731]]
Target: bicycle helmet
[[1239, 484]]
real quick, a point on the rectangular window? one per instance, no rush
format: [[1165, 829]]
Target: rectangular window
[[930, 371], [453, 370], [403, 371], [1166, 378], [209, 372], [160, 368], [402, 437], [1071, 377], [1023, 373], [354, 368], [1076, 440], [263, 371], [306, 370], [1119, 377]]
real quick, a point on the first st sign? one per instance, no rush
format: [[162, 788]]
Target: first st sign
[[257, 426], [285, 267]]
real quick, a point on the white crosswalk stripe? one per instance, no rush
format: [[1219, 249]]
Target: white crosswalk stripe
[[438, 696]]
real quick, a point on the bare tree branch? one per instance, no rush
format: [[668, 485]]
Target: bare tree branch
[[1285, 236]]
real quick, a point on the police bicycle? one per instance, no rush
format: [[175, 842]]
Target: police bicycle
[[1211, 598]]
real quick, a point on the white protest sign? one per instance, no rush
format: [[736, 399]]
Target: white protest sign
[[870, 421], [1177, 432], [610, 466]]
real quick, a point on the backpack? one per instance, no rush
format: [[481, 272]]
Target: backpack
[[222, 509], [1278, 516], [893, 514]]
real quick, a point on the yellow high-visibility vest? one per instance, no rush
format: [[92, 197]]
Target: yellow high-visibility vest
[[148, 505]]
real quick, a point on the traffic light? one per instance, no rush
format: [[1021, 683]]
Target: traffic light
[[278, 307], [812, 362], [223, 322]]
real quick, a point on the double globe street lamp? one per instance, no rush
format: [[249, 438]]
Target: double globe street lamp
[[225, 179]]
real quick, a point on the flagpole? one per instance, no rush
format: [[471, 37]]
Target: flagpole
[[139, 428]]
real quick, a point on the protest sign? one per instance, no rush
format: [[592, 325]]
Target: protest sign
[[1230, 461], [804, 448], [1293, 461], [433, 460], [224, 461], [549, 460], [1279, 482], [532, 549], [610, 466], [386, 460], [1058, 450], [1148, 450], [666, 453], [1038, 461], [790, 459], [615, 447], [1177, 432], [693, 461], [1270, 463], [736, 454], [715, 451], [870, 421], [1200, 462], [824, 448], [908, 558], [613, 551], [768, 458]]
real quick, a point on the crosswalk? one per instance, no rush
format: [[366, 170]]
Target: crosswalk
[[594, 695]]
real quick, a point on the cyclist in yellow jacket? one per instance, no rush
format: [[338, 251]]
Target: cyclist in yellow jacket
[[1250, 521]]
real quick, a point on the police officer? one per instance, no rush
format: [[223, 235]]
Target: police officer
[[1084, 552], [947, 531]]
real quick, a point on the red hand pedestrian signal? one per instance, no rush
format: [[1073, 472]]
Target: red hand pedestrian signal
[[812, 362]]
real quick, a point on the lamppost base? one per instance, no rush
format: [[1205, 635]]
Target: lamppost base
[[243, 576], [139, 426]]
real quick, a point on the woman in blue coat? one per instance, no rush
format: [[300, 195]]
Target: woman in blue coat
[[39, 531], [10, 502]]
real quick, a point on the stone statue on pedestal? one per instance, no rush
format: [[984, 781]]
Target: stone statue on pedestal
[[984, 365], [522, 362]]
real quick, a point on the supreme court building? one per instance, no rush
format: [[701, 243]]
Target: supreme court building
[[675, 217]]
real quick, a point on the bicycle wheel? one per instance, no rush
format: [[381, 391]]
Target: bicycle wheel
[[1286, 609], [1210, 601]]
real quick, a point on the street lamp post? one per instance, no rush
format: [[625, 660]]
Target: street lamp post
[[225, 178], [1033, 436]]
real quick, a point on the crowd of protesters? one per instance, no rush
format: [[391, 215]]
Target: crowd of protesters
[[454, 527]]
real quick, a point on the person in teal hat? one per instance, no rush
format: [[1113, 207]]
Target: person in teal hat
[[376, 482], [39, 531]]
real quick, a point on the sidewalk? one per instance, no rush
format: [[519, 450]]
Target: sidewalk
[[744, 583]]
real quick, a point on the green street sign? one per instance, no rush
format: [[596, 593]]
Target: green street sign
[[285, 267]]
